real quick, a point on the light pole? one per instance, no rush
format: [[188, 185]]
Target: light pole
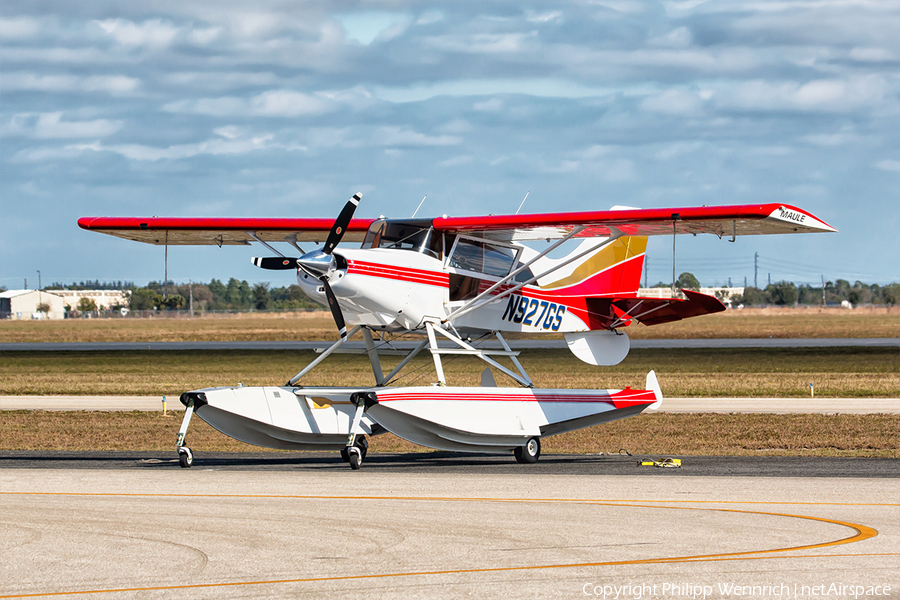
[[40, 296]]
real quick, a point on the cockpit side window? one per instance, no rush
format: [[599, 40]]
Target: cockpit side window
[[481, 256]]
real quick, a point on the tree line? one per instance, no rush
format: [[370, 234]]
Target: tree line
[[787, 293], [241, 296], [215, 295]]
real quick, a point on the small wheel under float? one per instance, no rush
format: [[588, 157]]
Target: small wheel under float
[[362, 443], [355, 455], [185, 457], [529, 453]]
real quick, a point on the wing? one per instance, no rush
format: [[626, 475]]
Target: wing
[[723, 221], [220, 231]]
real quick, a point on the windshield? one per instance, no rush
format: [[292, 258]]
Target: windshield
[[403, 235]]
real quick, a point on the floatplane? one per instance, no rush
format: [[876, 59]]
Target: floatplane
[[454, 279]]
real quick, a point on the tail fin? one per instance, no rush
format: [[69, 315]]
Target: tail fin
[[614, 270]]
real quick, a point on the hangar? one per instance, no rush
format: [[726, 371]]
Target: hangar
[[23, 304]]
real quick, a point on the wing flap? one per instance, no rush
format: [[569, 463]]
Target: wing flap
[[651, 311], [178, 231], [722, 221]]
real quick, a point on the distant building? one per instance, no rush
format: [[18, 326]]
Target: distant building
[[725, 294], [23, 304], [104, 299]]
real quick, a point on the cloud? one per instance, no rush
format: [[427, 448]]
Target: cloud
[[235, 145], [596, 162], [822, 95], [889, 165], [51, 125], [112, 84], [482, 43], [677, 38], [19, 28], [832, 139], [492, 105], [272, 103], [154, 33], [543, 17], [430, 17], [369, 27], [674, 102], [872, 55], [397, 136], [456, 161]]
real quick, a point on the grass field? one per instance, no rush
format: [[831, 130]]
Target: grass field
[[748, 323], [663, 434], [744, 372]]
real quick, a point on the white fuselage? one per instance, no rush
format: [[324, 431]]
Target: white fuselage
[[398, 290]]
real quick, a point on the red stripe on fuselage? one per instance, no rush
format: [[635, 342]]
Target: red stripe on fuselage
[[356, 267]]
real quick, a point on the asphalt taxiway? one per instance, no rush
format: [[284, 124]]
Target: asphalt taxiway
[[300, 533]]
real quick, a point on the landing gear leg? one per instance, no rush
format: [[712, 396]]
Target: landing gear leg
[[529, 453], [185, 456], [355, 451]]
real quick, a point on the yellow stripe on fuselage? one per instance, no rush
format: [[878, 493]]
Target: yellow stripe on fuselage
[[619, 251]]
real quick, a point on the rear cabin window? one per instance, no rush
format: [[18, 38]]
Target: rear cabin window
[[482, 257]]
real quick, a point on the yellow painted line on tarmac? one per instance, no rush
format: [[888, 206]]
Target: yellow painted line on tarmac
[[863, 532]]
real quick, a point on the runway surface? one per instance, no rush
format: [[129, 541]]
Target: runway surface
[[672, 405], [155, 532], [531, 344]]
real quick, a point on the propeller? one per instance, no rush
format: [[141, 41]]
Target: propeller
[[321, 263]]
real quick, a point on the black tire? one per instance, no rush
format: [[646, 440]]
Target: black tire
[[363, 444], [529, 453], [345, 455], [355, 460], [185, 460]]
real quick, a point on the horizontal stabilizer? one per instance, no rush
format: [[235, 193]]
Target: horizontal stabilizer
[[274, 263], [613, 312]]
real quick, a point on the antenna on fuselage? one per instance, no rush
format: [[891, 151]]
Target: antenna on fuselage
[[521, 204], [419, 206]]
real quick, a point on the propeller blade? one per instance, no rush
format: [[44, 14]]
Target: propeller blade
[[335, 309], [340, 224], [274, 263]]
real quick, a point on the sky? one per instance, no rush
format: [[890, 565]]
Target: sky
[[285, 109]]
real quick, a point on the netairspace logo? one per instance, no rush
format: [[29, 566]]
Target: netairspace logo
[[733, 590]]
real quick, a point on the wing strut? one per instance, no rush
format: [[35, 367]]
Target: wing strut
[[166, 276], [469, 305], [264, 243], [293, 380], [675, 218]]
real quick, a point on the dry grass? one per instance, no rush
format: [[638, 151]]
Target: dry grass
[[749, 323], [668, 434], [745, 372]]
